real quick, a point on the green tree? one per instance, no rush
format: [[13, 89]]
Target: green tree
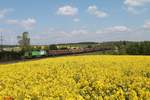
[[89, 46], [53, 47], [133, 49]]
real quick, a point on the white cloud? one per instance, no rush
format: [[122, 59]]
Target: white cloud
[[67, 10], [79, 32], [93, 10], [118, 29], [136, 6], [4, 12], [62, 33], [147, 25], [114, 29], [136, 3], [76, 19], [27, 24]]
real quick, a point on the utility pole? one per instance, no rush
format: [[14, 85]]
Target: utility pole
[[1, 40]]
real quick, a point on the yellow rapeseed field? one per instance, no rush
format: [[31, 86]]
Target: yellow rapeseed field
[[77, 78]]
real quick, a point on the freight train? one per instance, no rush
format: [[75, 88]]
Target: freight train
[[44, 53]]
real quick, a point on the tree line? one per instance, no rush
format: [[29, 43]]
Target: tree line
[[116, 48], [139, 48], [128, 47]]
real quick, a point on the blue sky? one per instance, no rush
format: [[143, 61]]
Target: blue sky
[[62, 21]]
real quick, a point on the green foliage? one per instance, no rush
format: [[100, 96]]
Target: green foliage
[[5, 56], [139, 48], [53, 47], [89, 46], [63, 48]]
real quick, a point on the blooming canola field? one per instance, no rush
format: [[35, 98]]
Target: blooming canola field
[[91, 77]]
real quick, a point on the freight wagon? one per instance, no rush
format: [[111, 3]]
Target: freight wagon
[[76, 51], [58, 52]]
